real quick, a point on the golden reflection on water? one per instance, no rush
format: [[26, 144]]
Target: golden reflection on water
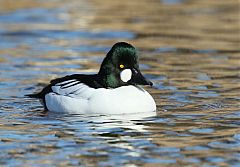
[[189, 49]]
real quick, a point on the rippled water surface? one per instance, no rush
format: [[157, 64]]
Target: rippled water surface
[[188, 49]]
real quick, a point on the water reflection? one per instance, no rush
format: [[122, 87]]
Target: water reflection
[[35, 15], [192, 59]]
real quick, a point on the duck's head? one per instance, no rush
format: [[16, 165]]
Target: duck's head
[[120, 67]]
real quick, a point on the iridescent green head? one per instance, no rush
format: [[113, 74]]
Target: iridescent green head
[[120, 67]]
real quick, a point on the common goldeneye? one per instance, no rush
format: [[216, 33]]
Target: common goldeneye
[[113, 90]]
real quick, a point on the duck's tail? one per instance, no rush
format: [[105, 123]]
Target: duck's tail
[[37, 95]]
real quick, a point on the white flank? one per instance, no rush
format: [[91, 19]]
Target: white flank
[[126, 75], [82, 99]]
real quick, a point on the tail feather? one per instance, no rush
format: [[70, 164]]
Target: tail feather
[[37, 95]]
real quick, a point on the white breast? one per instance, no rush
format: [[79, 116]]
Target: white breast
[[122, 100]]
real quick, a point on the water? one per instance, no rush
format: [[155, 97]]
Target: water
[[189, 50]]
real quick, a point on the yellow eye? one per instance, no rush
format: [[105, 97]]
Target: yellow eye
[[121, 66]]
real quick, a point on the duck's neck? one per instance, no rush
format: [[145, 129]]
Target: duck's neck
[[108, 80]]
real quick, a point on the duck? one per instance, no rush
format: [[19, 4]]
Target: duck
[[116, 89]]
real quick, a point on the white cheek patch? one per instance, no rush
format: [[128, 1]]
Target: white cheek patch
[[126, 75]]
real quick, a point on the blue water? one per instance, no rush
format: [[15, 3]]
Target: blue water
[[197, 122]]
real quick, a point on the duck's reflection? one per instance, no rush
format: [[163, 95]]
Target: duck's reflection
[[109, 122]]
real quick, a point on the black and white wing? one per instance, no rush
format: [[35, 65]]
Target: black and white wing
[[72, 88], [71, 85]]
